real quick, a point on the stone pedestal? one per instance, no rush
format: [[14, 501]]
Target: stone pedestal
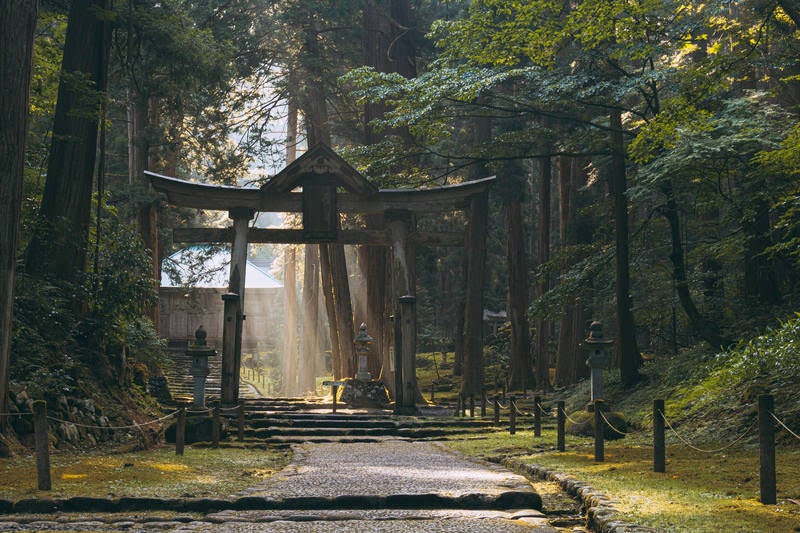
[[364, 393]]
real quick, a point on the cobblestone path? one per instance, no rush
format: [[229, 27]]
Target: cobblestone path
[[392, 486]]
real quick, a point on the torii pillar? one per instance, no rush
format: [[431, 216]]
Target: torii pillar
[[401, 224], [234, 307]]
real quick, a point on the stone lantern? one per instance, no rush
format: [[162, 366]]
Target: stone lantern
[[598, 358], [362, 342], [199, 371]]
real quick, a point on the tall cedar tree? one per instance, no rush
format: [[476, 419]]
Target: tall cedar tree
[[58, 247], [17, 24]]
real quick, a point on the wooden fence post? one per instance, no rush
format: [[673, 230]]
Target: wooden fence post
[[766, 445], [599, 451], [561, 418], [483, 404], [240, 421], [180, 431], [537, 416], [42, 445], [659, 445], [472, 405], [334, 392], [512, 416], [496, 410]]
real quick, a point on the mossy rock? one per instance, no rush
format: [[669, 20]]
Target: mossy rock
[[198, 429], [582, 423]]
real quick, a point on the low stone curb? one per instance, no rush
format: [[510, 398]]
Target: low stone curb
[[599, 508], [503, 501]]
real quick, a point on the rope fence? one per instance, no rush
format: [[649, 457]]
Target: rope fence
[[610, 425], [132, 426], [15, 414], [767, 423], [701, 450], [784, 426], [42, 429]]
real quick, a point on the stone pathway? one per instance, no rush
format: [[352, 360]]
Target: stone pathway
[[392, 486], [390, 469]]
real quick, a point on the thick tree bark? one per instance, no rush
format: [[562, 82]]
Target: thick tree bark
[[373, 267], [140, 112], [330, 309], [567, 345], [387, 48], [627, 350], [58, 247], [17, 24], [332, 259], [541, 325], [473, 322], [517, 294]]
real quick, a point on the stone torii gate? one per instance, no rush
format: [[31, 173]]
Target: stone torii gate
[[329, 187]]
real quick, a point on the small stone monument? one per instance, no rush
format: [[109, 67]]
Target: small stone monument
[[199, 371], [598, 359], [362, 342], [363, 391]]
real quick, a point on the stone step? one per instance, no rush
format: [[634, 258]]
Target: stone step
[[305, 433], [361, 422]]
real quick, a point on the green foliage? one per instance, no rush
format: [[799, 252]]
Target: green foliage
[[56, 344], [43, 318], [120, 292], [772, 358]]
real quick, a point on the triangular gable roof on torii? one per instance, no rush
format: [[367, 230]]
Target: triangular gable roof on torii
[[320, 162]]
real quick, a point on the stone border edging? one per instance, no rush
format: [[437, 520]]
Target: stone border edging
[[599, 508], [474, 501]]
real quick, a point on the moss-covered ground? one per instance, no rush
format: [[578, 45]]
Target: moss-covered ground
[[710, 406], [199, 472], [699, 492]]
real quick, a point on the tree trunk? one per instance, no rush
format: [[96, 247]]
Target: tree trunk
[[373, 263], [473, 321], [17, 24], [140, 111], [517, 293], [290, 355], [310, 345], [332, 259], [627, 350], [760, 278], [542, 326], [58, 247], [330, 308], [698, 323], [567, 344]]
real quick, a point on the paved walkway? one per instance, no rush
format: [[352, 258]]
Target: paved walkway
[[392, 486]]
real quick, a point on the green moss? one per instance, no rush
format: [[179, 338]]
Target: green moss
[[200, 472], [699, 491]]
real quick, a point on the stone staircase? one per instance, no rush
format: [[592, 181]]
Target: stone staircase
[[180, 380], [296, 420], [287, 420]]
